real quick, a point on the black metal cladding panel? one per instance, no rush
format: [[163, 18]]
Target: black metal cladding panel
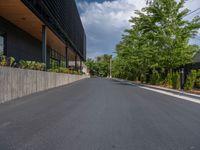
[[63, 16], [66, 14]]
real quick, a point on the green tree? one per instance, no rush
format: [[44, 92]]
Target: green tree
[[159, 37], [100, 66]]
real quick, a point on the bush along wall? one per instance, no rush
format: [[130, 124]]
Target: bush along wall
[[176, 80], [64, 70], [23, 64], [7, 61], [155, 77], [197, 81], [190, 81], [33, 65], [168, 79]]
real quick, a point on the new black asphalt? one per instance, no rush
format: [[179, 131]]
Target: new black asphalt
[[99, 114]]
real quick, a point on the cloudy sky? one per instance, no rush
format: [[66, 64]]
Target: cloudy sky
[[105, 20]]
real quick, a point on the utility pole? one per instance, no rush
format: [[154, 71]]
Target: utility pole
[[111, 67]]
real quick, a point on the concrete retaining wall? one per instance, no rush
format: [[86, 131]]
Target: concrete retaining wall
[[16, 82]]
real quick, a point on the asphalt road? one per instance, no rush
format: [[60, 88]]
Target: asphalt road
[[99, 114]]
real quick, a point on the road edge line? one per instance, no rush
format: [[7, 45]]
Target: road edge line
[[186, 98], [179, 96]]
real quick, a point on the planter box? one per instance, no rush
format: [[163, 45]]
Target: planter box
[[15, 82]]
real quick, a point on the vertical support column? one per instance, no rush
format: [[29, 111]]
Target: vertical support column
[[4, 44], [66, 55], [76, 62], [44, 45]]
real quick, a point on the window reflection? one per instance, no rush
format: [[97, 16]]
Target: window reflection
[[56, 59], [1, 45]]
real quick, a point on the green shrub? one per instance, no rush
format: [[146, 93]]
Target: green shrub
[[176, 80], [30, 65], [33, 65], [3, 61], [7, 61], [63, 70], [39, 66], [75, 72], [197, 81], [10, 61], [24, 64], [53, 70], [168, 79], [155, 77], [190, 81], [142, 78]]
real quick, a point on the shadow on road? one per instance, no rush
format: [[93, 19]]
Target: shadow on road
[[122, 83]]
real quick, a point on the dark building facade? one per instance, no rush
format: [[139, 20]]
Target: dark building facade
[[18, 43], [48, 31]]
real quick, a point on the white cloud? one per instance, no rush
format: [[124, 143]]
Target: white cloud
[[105, 22], [193, 5]]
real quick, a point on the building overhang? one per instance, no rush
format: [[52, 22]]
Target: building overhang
[[16, 12], [49, 19]]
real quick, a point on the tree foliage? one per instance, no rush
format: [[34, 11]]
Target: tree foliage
[[158, 41], [100, 66]]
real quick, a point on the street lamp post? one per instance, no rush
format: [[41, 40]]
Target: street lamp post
[[111, 67]]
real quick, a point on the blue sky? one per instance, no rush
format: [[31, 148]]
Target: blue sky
[[105, 20]]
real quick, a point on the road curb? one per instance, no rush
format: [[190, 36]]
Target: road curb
[[176, 92]]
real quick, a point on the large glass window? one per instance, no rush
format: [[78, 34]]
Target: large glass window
[[63, 61], [2, 45], [56, 59], [54, 63]]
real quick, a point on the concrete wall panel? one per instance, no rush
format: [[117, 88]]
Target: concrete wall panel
[[15, 83]]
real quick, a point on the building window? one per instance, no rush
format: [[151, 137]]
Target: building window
[[56, 59], [54, 63], [63, 61], [2, 45]]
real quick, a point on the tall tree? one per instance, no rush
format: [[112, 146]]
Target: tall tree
[[159, 39]]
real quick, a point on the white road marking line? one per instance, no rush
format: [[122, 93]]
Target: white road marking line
[[173, 95], [172, 90], [168, 93]]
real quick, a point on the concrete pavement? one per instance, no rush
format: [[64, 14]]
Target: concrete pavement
[[99, 114]]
